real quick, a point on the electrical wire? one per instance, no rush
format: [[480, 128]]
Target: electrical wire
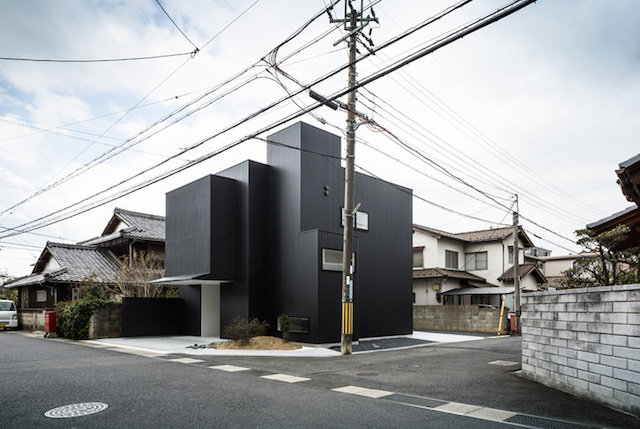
[[425, 51], [176, 25]]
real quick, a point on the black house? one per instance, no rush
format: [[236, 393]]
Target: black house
[[262, 240]]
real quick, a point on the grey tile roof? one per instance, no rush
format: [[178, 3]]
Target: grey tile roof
[[492, 234], [140, 226], [524, 270], [78, 262], [429, 273]]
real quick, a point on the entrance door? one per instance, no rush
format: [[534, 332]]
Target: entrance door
[[210, 310]]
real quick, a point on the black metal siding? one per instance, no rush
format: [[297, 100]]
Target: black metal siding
[[152, 316], [201, 229], [248, 296]]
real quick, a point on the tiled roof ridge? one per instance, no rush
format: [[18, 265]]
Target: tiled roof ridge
[[118, 210], [510, 228], [71, 245], [461, 235]]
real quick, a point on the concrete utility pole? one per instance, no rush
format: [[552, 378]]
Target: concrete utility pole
[[516, 270], [354, 23]]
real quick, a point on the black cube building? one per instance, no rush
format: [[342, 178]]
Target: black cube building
[[262, 240]]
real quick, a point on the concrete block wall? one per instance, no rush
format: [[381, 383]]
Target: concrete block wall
[[106, 322], [31, 319], [585, 342], [473, 318]]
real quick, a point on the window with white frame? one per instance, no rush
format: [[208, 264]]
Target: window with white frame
[[476, 261], [418, 257], [41, 295], [511, 254], [332, 260], [450, 259]]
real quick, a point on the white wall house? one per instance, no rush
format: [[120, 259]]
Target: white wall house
[[469, 267]]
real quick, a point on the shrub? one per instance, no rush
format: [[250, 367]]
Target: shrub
[[242, 330], [285, 325], [73, 317]]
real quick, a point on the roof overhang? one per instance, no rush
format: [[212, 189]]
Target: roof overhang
[[188, 279], [629, 217]]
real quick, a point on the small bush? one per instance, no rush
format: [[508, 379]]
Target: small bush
[[285, 325], [242, 330], [73, 317]]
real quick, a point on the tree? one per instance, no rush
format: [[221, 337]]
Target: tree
[[11, 294], [135, 276], [609, 266]]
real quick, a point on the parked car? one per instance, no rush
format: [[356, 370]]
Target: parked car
[[8, 314]]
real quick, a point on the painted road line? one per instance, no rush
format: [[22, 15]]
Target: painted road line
[[457, 408], [361, 391], [286, 378], [492, 414], [185, 360], [230, 368]]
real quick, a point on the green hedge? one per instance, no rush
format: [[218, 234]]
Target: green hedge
[[73, 317]]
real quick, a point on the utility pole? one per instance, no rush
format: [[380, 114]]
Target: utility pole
[[354, 23], [516, 268]]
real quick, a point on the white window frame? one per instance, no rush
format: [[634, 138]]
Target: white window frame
[[39, 295], [334, 266], [471, 261]]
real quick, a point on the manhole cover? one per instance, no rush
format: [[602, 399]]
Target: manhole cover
[[368, 374], [76, 410]]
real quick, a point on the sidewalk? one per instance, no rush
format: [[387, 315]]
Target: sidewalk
[[182, 344]]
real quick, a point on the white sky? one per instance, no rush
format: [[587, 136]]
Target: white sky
[[544, 103]]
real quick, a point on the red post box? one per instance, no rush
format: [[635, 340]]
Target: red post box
[[49, 322]]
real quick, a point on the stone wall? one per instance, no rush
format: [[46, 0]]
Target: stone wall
[[31, 319], [106, 322], [585, 342], [472, 318]]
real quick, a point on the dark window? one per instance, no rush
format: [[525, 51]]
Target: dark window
[[451, 259]]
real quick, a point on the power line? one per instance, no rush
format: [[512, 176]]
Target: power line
[[102, 60], [102, 158], [481, 23], [176, 25]]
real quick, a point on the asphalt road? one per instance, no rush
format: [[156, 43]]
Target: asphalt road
[[37, 375]]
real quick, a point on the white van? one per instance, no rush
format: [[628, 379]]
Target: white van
[[8, 314]]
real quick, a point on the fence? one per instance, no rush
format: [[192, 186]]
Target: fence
[[585, 342], [472, 318]]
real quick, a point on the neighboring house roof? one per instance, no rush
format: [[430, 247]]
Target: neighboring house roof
[[629, 217], [629, 179], [524, 270], [484, 235], [137, 226], [432, 273], [76, 263]]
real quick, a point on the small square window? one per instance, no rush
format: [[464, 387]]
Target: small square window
[[41, 295]]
